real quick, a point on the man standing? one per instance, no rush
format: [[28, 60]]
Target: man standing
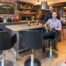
[[48, 15]]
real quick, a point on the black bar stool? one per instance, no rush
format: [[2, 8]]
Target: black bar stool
[[49, 36], [6, 43], [32, 39]]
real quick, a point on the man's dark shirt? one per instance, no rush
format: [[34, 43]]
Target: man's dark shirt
[[47, 16]]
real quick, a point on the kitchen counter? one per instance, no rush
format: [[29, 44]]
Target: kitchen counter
[[22, 27]]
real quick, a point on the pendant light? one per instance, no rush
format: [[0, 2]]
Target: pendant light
[[38, 2], [44, 5]]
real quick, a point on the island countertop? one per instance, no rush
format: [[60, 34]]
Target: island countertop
[[21, 27]]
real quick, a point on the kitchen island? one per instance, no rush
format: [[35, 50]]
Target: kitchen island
[[17, 29]]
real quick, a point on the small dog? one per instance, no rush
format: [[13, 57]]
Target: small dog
[[47, 26]]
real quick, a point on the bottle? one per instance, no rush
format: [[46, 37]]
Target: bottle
[[28, 23], [37, 22]]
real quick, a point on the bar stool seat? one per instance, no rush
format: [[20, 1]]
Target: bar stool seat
[[32, 39], [6, 43]]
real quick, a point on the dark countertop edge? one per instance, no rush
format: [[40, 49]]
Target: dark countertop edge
[[10, 23]]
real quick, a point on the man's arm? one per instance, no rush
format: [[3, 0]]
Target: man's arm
[[59, 26]]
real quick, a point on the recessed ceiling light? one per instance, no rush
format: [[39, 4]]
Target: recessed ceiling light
[[64, 7]]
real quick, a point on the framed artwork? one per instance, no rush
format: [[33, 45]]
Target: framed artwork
[[7, 8]]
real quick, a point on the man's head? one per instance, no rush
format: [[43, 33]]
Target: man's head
[[54, 14], [51, 9]]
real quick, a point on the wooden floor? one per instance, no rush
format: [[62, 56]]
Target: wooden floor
[[46, 61]]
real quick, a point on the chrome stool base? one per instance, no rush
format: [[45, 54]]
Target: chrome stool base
[[7, 63], [36, 62], [54, 54]]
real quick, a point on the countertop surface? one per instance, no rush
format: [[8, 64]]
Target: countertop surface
[[21, 27]]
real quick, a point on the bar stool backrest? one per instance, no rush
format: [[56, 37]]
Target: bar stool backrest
[[5, 41]]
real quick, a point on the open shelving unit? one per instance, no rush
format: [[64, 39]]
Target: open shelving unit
[[26, 11]]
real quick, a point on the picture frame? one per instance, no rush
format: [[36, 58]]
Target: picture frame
[[7, 8]]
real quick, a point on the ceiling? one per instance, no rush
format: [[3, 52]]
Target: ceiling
[[34, 1], [55, 1], [49, 1]]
